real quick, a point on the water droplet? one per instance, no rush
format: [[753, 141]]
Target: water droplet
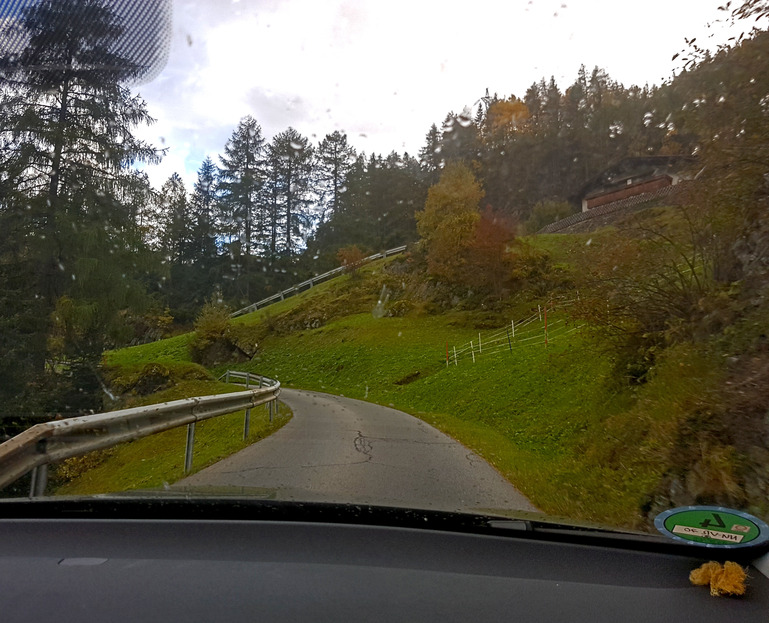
[[464, 121]]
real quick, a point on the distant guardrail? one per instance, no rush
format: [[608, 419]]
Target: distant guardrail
[[52, 442], [309, 283]]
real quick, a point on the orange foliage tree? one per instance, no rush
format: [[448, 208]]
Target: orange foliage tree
[[447, 224], [351, 257], [489, 254]]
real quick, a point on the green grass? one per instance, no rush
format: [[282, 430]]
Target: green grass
[[158, 460], [555, 421], [171, 350], [528, 412]]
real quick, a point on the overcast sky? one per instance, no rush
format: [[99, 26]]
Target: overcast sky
[[384, 71]]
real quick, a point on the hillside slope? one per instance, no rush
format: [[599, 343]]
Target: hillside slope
[[584, 425]]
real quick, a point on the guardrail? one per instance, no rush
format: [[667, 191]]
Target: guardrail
[[51, 442], [284, 294]]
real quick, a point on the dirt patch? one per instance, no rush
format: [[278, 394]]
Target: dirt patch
[[409, 378]]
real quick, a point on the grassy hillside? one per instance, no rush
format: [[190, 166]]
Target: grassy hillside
[[573, 424], [527, 409]]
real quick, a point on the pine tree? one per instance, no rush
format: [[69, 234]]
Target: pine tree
[[203, 208], [291, 161], [240, 179], [334, 161], [176, 219], [65, 144], [430, 155]]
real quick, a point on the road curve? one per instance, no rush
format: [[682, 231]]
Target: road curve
[[337, 449]]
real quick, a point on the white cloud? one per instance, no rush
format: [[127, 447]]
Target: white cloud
[[384, 71]]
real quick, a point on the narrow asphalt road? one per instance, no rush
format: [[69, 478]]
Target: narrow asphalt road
[[338, 449]]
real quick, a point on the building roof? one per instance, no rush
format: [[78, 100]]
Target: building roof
[[632, 170]]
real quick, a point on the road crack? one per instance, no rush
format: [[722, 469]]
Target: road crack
[[363, 445]]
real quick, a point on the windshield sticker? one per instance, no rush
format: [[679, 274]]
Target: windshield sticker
[[712, 526]]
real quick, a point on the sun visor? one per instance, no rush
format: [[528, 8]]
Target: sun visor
[[143, 37]]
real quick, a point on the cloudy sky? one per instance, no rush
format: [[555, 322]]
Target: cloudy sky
[[384, 71]]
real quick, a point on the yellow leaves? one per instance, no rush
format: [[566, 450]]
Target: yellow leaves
[[447, 224], [507, 116]]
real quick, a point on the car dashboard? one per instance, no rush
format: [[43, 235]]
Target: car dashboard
[[183, 560]]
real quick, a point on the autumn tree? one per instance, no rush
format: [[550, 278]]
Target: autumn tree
[[488, 255], [447, 224]]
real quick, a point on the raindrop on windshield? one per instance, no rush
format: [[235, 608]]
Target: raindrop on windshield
[[464, 120]]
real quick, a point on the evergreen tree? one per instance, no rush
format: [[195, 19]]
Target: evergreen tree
[[459, 138], [241, 178], [291, 162], [334, 161], [203, 208], [67, 140], [430, 155], [176, 219]]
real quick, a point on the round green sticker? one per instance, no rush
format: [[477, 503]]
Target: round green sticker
[[712, 526]]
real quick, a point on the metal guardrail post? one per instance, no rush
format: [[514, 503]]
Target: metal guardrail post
[[247, 424], [189, 447], [39, 481], [227, 377], [269, 408]]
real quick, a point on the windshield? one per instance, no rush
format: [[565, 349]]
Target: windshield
[[492, 257]]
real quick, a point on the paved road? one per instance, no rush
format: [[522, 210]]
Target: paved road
[[343, 450]]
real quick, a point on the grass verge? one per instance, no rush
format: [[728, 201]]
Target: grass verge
[[158, 460]]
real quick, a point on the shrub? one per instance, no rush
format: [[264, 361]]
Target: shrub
[[546, 212], [351, 257], [215, 342]]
